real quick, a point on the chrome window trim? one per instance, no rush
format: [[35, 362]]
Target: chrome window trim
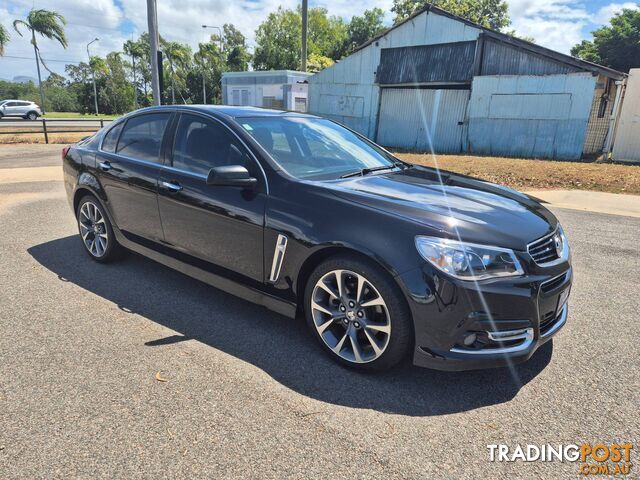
[[278, 257]]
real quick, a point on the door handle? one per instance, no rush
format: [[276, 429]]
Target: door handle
[[172, 186], [105, 166]]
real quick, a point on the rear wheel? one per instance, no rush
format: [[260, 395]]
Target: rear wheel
[[96, 231], [358, 314], [32, 116]]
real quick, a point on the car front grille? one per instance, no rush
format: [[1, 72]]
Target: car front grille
[[544, 250]]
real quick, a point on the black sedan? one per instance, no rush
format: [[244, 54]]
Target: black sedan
[[386, 260]]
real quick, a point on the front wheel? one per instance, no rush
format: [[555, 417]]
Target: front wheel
[[358, 314], [96, 231]]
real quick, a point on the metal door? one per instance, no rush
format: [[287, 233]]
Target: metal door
[[422, 119]]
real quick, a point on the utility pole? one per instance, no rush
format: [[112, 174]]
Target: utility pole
[[152, 20], [305, 22], [93, 76], [204, 91]]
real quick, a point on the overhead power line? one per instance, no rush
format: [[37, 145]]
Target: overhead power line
[[16, 57]]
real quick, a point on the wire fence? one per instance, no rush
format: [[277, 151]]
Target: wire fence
[[49, 126]]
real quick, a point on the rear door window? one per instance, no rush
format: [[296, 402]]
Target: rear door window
[[111, 138], [141, 137]]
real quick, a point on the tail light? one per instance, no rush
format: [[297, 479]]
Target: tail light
[[65, 150]]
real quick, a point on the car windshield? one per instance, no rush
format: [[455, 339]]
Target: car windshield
[[315, 148]]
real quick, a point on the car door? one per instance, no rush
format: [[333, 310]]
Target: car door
[[11, 108], [222, 225], [128, 165]]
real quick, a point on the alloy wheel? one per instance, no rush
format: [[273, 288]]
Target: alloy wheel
[[350, 316], [93, 229]]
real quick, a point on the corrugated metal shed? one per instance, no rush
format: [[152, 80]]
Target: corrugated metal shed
[[499, 58], [530, 116], [426, 63], [422, 119]]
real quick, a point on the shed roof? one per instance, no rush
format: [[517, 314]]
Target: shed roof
[[517, 42]]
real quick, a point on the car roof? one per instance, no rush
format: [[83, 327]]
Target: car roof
[[228, 110]]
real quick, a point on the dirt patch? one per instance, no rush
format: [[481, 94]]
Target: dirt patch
[[523, 174], [39, 138]]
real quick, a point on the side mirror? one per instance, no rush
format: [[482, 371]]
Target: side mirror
[[231, 176]]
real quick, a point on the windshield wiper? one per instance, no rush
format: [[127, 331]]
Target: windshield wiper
[[365, 171]]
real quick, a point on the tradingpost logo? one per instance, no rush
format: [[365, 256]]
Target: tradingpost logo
[[592, 459]]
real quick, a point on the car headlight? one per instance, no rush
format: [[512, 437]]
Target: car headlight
[[468, 261]]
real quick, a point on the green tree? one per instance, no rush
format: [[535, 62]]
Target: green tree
[[278, 38], [48, 24], [278, 41], [237, 55], [4, 39], [615, 46], [488, 13], [365, 27]]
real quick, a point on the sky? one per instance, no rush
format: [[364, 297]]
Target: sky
[[557, 24]]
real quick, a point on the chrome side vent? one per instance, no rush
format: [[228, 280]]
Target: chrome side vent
[[278, 257]]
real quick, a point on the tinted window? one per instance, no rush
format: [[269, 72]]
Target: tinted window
[[111, 138], [202, 144], [142, 137], [24, 104]]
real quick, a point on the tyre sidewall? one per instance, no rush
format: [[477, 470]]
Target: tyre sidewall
[[401, 340]]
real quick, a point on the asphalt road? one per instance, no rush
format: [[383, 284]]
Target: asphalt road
[[250, 395]]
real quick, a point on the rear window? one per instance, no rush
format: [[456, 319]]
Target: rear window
[[142, 137]]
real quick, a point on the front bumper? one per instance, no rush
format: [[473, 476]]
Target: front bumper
[[510, 319]]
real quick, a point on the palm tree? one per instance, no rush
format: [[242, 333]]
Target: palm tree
[[178, 56], [50, 25], [4, 39]]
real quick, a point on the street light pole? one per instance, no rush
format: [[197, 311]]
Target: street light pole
[[204, 90], [305, 23], [93, 76], [152, 21]]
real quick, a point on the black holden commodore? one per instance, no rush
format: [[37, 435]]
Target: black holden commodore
[[385, 259]]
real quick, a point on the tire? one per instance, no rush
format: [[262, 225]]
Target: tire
[[96, 232], [365, 321], [32, 116]]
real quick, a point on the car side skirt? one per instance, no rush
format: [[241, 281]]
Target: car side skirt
[[250, 294]]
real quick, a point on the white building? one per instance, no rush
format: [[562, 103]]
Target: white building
[[282, 89]]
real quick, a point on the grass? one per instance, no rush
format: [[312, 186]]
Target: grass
[[523, 174], [78, 115]]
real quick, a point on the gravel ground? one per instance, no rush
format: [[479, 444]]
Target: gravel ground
[[249, 394]]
